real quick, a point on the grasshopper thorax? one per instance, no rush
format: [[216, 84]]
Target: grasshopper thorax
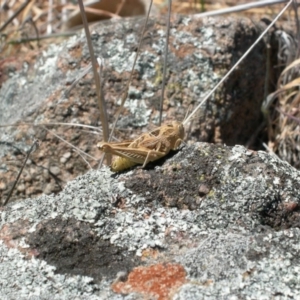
[[179, 128]]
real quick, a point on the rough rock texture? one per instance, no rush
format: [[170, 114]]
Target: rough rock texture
[[208, 222], [200, 52]]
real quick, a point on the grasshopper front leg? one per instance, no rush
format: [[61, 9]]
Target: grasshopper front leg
[[177, 144]]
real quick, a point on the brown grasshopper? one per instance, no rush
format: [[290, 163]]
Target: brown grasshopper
[[146, 148]]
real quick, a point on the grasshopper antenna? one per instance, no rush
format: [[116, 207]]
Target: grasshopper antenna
[[236, 64], [165, 61], [129, 81], [101, 102], [187, 112]]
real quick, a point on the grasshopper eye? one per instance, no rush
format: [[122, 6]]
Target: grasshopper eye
[[103, 147]]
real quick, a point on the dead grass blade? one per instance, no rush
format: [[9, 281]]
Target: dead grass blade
[[16, 13], [98, 12], [101, 102], [165, 61], [33, 147], [238, 8], [69, 144], [125, 95], [51, 124], [290, 85], [284, 127], [290, 66]]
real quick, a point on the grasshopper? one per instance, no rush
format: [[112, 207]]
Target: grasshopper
[[146, 148]]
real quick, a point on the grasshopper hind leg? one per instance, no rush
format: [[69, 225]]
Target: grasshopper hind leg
[[146, 160]]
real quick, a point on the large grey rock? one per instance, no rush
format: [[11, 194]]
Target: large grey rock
[[200, 52], [210, 222]]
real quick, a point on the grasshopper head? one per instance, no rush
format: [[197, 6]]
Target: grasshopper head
[[179, 129], [104, 147]]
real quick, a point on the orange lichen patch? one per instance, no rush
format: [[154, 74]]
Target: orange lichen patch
[[157, 281]]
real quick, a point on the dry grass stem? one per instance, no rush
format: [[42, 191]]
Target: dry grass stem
[[16, 13], [165, 61], [284, 136], [33, 147], [239, 8], [69, 144], [101, 102], [125, 95]]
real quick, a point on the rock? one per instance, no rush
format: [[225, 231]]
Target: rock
[[2, 185], [49, 189], [46, 174], [65, 157], [200, 52], [241, 241], [21, 187], [55, 170]]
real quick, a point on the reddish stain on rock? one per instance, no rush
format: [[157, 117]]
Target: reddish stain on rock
[[12, 233], [157, 281]]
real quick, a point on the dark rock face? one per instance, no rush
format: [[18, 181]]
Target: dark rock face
[[73, 247], [230, 229], [200, 53], [213, 172]]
